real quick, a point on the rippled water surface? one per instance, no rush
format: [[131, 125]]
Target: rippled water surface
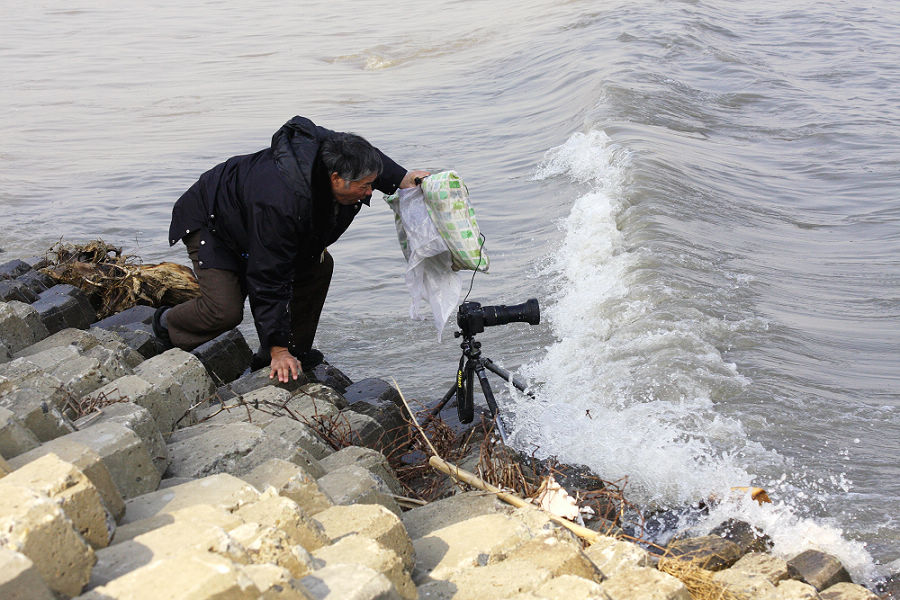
[[704, 196]]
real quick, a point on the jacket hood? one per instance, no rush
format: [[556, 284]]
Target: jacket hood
[[294, 149]]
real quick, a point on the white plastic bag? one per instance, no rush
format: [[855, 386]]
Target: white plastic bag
[[429, 273]]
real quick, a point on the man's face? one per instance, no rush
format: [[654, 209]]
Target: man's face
[[351, 192]]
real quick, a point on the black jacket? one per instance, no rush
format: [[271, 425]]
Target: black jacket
[[268, 213]]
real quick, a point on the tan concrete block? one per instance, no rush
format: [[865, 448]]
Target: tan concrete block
[[847, 591], [15, 438], [357, 549], [168, 541], [644, 583], [187, 576], [792, 589], [35, 526], [355, 485], [285, 515], [493, 581], [367, 458], [612, 555], [466, 544], [436, 515], [743, 583], [65, 484], [139, 420], [88, 461], [558, 551], [275, 583], [19, 580], [124, 454], [198, 514], [571, 587], [35, 399], [346, 582], [291, 481], [754, 574], [4, 467], [221, 490], [369, 520], [266, 544], [182, 379]]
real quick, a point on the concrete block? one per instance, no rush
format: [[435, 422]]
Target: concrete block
[[284, 514], [300, 435], [124, 454], [331, 376], [36, 281], [85, 343], [322, 392], [355, 485], [225, 357], [570, 587], [195, 515], [291, 481], [20, 326], [557, 551], [364, 430], [372, 391], [791, 589], [186, 576], [276, 583], [64, 306], [818, 569], [370, 460], [255, 380], [164, 542], [422, 520], [13, 268], [466, 544], [136, 315], [745, 535], [847, 591], [644, 583], [35, 401], [139, 420], [78, 373], [221, 490], [178, 369], [372, 521], [4, 353], [139, 338], [500, 580], [360, 550], [266, 544], [771, 568], [349, 582], [15, 438], [5, 469], [235, 448], [88, 462], [709, 552], [68, 487], [165, 404], [612, 555], [390, 417], [35, 526], [258, 407], [12, 289], [19, 579]]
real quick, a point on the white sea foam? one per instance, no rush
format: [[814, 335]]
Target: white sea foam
[[631, 384]]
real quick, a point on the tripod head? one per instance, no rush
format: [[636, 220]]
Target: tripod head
[[472, 317]]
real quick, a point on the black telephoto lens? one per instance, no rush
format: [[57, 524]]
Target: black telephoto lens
[[527, 312]]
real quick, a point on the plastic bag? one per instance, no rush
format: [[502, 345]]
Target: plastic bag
[[447, 199], [429, 273]]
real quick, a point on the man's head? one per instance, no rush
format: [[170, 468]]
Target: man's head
[[353, 164]]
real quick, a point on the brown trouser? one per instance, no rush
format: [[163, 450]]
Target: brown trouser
[[220, 306]]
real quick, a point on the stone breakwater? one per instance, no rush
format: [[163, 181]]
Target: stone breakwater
[[129, 471]]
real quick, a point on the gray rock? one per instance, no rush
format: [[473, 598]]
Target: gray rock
[[20, 326], [355, 485], [36, 281], [373, 391], [371, 460], [139, 420], [364, 430], [255, 380], [35, 398], [178, 372], [390, 417], [331, 376], [64, 306], [225, 357], [15, 438], [138, 314], [818, 569], [744, 535], [13, 289], [13, 268]]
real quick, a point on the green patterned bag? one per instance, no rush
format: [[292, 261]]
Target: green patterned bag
[[447, 201]]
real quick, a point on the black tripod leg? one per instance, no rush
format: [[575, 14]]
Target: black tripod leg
[[465, 406], [489, 398], [518, 383], [440, 405]]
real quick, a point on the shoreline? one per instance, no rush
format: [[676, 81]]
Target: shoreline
[[276, 486]]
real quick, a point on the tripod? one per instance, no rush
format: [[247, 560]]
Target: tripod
[[472, 363]]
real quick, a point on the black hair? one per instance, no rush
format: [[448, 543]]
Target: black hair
[[350, 156]]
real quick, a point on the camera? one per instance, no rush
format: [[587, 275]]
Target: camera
[[472, 317]]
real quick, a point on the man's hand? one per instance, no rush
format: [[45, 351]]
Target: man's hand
[[283, 364], [409, 180]]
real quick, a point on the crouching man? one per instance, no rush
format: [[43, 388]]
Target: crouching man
[[259, 224]]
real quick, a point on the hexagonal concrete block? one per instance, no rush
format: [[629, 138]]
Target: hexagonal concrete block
[[285, 515], [367, 458], [612, 555], [64, 306], [35, 526], [360, 550], [20, 326], [225, 357], [291, 481], [269, 545], [88, 461], [19, 580], [355, 485], [221, 490], [358, 582], [183, 371], [422, 520], [66, 485], [138, 419], [644, 583], [818, 569], [166, 405], [15, 438], [372, 521]]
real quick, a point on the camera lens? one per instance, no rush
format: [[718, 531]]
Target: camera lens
[[527, 312]]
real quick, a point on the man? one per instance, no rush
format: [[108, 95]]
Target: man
[[259, 225]]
